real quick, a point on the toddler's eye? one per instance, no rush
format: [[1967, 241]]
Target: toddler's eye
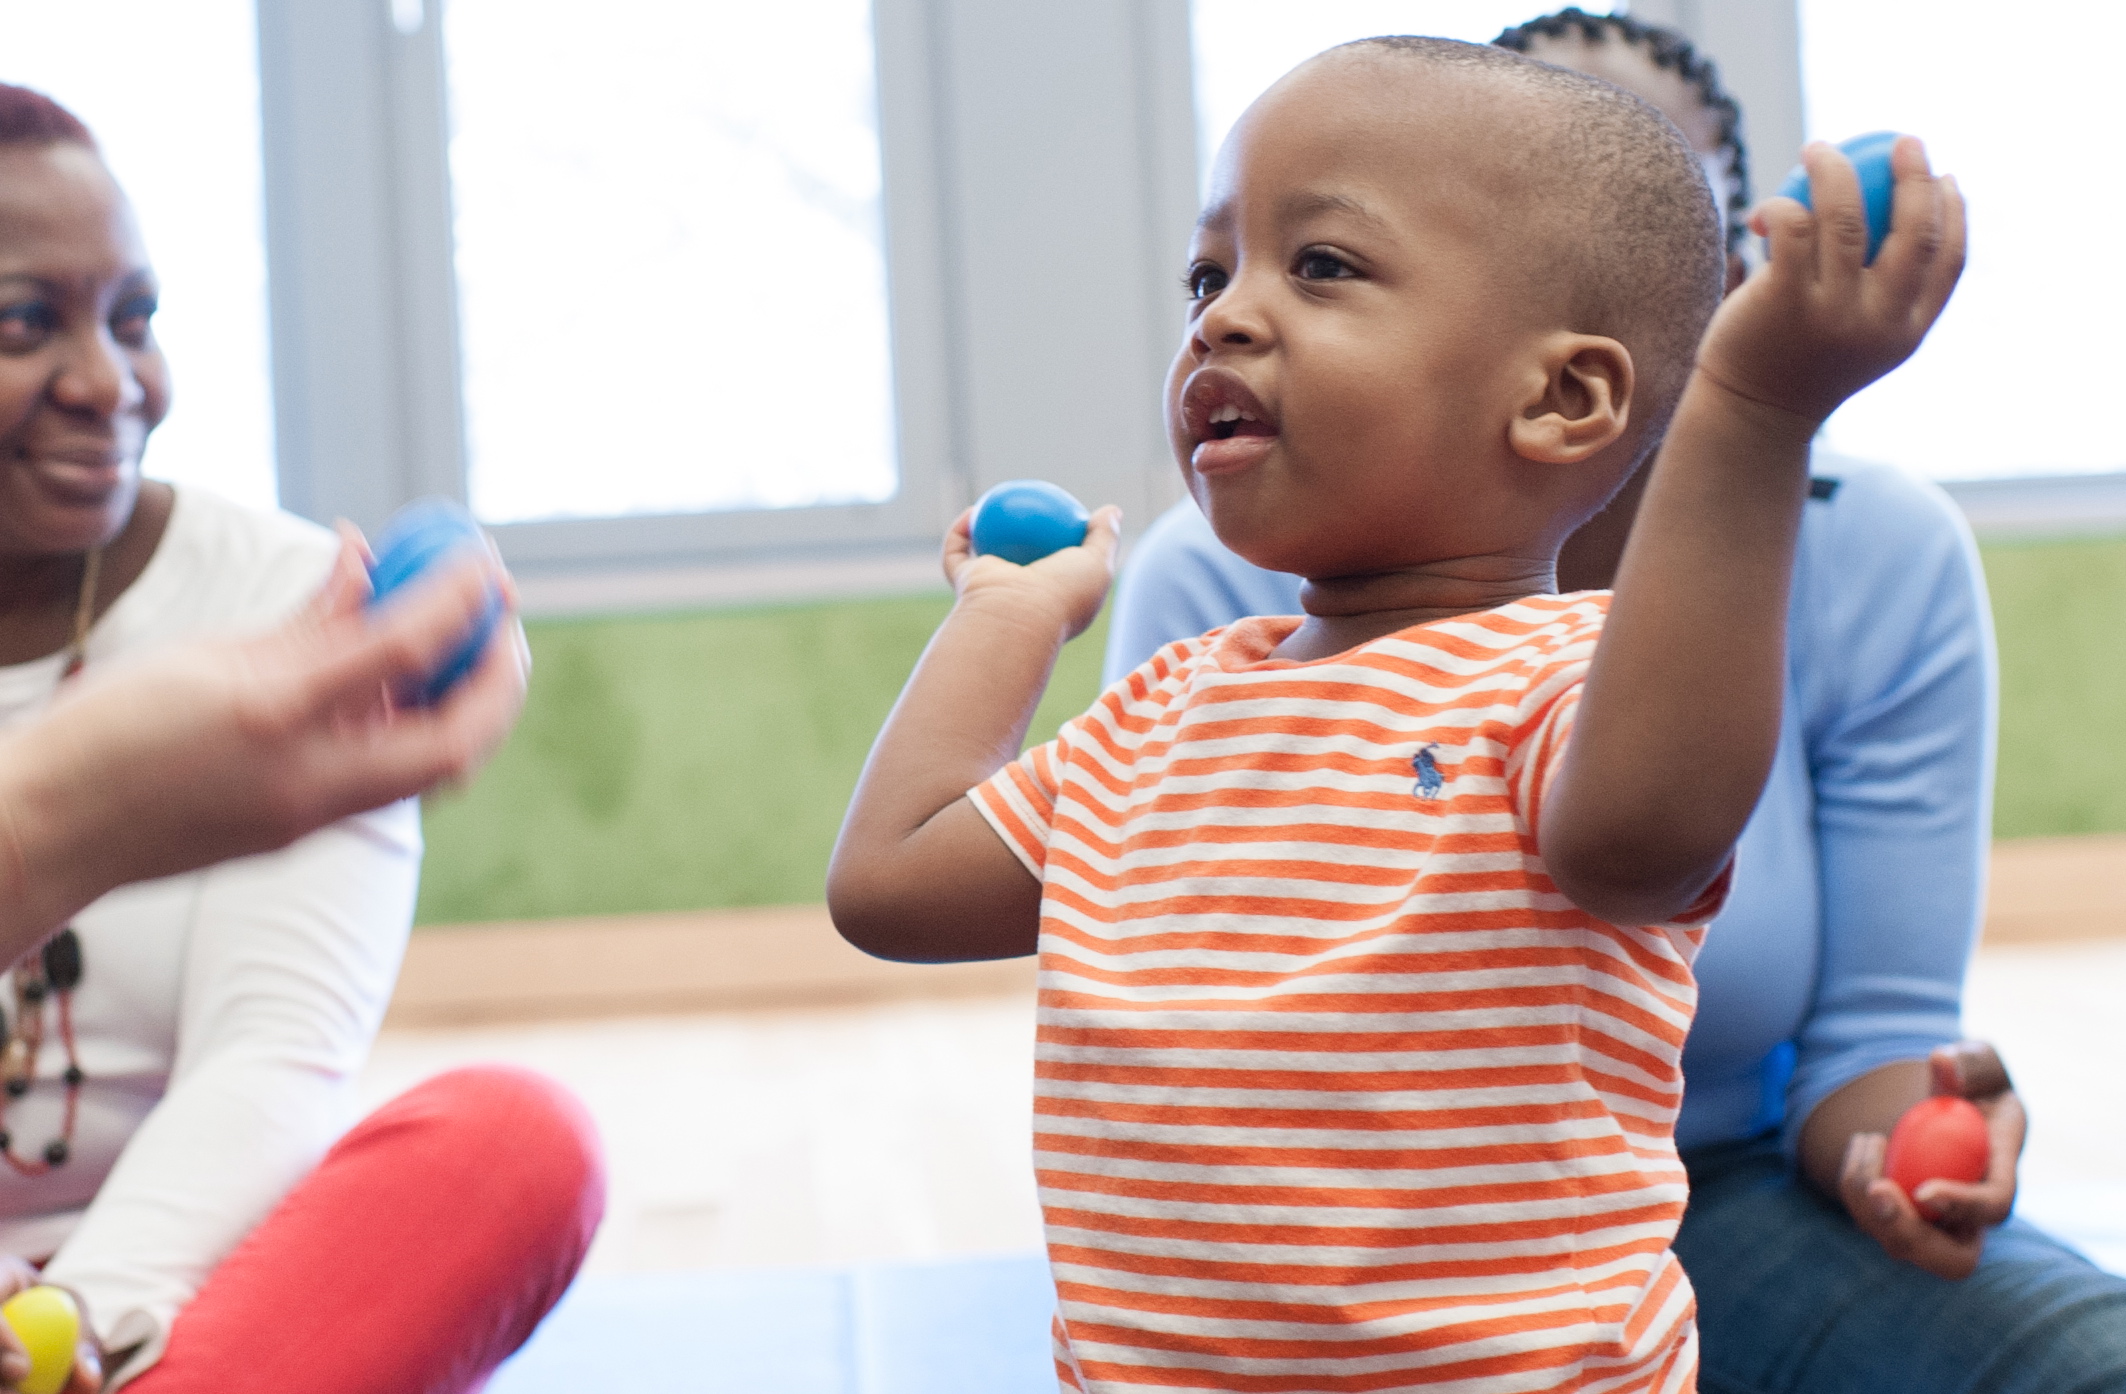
[[24, 325], [129, 322], [1317, 265], [1204, 280]]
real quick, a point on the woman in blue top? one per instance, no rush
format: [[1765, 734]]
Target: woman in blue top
[[1830, 988]]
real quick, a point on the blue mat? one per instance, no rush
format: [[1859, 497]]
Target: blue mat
[[973, 1326], [977, 1326]]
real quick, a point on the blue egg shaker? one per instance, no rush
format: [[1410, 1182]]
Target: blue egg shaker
[[1870, 155], [1023, 520], [419, 536]]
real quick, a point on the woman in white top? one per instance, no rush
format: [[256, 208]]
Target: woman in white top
[[184, 1056]]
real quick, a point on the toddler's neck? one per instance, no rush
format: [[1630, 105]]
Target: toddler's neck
[[1346, 611]]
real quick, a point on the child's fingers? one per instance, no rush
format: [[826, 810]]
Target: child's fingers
[[1947, 267], [1841, 218], [958, 549], [1103, 535], [1790, 237], [1916, 226], [1908, 159]]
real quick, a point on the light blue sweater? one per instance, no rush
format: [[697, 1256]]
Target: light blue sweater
[[1857, 886]]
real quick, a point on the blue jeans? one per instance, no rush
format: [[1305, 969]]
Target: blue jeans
[[1793, 1299]]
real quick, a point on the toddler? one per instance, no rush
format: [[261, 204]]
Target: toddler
[[1365, 935]]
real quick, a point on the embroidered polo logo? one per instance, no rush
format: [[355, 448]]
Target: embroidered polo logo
[[1429, 780]]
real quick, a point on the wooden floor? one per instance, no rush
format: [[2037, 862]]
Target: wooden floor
[[888, 1130], [899, 1129], [770, 1096]]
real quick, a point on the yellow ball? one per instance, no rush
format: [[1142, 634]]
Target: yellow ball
[[49, 1326]]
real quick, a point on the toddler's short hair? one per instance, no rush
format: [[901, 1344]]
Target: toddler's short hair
[[29, 117], [1630, 228]]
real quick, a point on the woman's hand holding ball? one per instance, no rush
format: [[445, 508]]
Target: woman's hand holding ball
[[222, 748], [1939, 1222], [46, 1345]]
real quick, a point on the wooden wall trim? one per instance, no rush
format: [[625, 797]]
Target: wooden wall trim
[[2043, 889], [629, 965], [2053, 888]]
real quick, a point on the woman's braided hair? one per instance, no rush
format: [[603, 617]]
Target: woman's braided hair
[[1668, 50]]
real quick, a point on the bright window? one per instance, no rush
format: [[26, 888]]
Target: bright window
[[171, 91], [1242, 46], [670, 261], [2020, 364]]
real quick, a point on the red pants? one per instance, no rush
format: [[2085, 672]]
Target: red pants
[[421, 1252]]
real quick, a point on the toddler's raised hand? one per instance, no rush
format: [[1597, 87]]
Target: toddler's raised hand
[[1817, 325], [1680, 723], [917, 873], [1069, 583]]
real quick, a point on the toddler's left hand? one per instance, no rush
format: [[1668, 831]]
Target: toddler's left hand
[[1816, 325]]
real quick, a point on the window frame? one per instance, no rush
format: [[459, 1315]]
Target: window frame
[[366, 348], [1036, 217]]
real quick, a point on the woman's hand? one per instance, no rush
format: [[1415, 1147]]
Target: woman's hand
[[87, 1375], [222, 748], [1949, 1243]]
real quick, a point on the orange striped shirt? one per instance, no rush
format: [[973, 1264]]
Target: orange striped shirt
[[1335, 1090]]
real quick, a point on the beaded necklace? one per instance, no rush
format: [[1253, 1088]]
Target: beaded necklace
[[52, 972], [77, 648]]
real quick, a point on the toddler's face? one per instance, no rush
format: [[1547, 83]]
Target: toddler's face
[[1360, 313]]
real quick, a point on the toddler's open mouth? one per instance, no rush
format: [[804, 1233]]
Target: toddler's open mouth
[[1226, 425], [1229, 421]]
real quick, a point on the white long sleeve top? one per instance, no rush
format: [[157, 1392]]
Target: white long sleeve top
[[221, 1016]]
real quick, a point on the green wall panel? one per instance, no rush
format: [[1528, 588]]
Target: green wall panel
[[2060, 611], [688, 761]]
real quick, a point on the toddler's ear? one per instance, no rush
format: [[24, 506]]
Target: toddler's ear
[[1578, 400]]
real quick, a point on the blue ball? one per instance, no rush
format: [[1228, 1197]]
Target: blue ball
[[1870, 155], [418, 537], [1023, 520]]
